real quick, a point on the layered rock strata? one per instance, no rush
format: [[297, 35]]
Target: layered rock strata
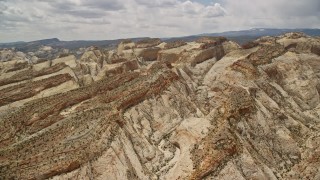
[[201, 110]]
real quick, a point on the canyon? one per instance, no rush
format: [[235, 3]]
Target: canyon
[[147, 109]]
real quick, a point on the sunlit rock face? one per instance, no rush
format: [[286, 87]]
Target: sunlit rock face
[[208, 109]]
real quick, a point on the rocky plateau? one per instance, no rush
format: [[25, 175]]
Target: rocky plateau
[[207, 109]]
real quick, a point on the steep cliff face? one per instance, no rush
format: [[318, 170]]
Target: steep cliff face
[[203, 110]]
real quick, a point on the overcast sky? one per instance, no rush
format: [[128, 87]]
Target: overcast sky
[[112, 19]]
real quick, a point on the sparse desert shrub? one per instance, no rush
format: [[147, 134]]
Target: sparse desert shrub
[[294, 45], [250, 44], [149, 42], [209, 39], [63, 55], [316, 50], [174, 44]]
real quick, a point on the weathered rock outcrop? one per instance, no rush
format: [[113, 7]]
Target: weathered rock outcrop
[[125, 45], [68, 60], [202, 110], [145, 50], [192, 53], [9, 55], [174, 44], [147, 43]]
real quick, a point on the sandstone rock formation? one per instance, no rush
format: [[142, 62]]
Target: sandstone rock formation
[[9, 54], [202, 110], [174, 44]]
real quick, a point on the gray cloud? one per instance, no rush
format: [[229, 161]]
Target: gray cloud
[[107, 5], [3, 6], [86, 13], [84, 9], [158, 3], [61, 6], [111, 19], [274, 13], [214, 11]]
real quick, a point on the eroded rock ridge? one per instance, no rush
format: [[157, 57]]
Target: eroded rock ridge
[[208, 109]]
